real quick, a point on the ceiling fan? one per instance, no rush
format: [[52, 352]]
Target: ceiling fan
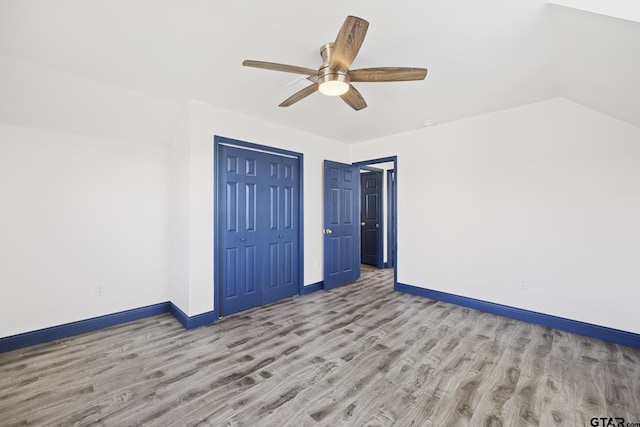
[[334, 78]]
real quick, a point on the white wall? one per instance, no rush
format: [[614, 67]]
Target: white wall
[[207, 121], [179, 209], [79, 212], [33, 95], [547, 193]]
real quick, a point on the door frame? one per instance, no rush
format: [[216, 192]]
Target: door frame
[[394, 208], [218, 222], [391, 213]]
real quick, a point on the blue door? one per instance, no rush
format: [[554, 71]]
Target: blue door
[[341, 225], [371, 218], [259, 202], [280, 222]]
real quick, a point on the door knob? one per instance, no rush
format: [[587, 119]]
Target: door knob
[[327, 231], [362, 223]]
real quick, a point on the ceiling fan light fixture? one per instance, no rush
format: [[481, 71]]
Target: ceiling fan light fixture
[[333, 83], [334, 88]]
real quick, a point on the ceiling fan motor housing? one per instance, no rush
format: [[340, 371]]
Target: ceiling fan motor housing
[[331, 81]]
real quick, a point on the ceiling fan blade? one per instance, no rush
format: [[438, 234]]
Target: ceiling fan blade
[[387, 74], [348, 43], [280, 67], [354, 99], [300, 95]]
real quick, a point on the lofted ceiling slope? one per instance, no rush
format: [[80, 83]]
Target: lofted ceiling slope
[[482, 56]]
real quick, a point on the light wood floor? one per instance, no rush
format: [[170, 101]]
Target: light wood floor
[[357, 355]]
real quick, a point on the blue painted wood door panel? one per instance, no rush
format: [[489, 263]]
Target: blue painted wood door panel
[[259, 241], [281, 228], [371, 218], [341, 225]]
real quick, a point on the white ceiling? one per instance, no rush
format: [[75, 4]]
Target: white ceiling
[[482, 56], [625, 9]]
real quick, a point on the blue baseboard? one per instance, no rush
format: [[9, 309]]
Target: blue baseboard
[[41, 336], [80, 327], [193, 321], [587, 329], [306, 290]]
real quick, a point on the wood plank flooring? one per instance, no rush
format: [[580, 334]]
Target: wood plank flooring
[[360, 355]]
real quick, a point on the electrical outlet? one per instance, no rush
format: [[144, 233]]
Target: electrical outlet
[[524, 285], [99, 290]]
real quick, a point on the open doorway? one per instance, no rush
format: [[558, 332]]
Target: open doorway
[[342, 222], [379, 214], [372, 221]]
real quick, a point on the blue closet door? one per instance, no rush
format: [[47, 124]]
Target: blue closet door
[[280, 216], [241, 240], [259, 241]]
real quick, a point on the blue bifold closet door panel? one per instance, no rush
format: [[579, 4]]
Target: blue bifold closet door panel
[[259, 198], [280, 222]]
